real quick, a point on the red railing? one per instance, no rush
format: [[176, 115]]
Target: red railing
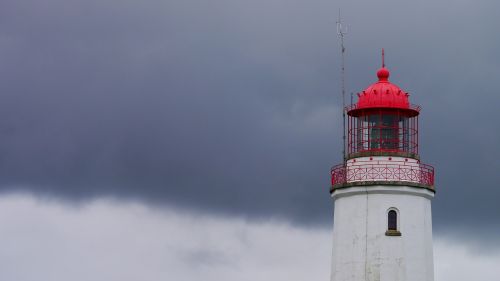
[[375, 171]]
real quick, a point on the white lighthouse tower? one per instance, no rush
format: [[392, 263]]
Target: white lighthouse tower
[[382, 192]]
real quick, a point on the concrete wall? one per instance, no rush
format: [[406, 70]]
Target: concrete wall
[[361, 249]]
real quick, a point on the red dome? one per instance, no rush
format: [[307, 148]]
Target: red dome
[[383, 94]]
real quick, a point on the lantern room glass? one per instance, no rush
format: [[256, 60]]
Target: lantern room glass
[[384, 131]]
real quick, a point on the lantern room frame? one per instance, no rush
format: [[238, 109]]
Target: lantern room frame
[[382, 131]]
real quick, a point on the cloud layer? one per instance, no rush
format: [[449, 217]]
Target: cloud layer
[[110, 240], [113, 240]]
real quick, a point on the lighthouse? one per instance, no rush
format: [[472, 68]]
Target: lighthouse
[[382, 191]]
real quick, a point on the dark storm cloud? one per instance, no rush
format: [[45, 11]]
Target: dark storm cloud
[[176, 102], [233, 106]]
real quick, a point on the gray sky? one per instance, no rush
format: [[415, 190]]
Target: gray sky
[[233, 107]]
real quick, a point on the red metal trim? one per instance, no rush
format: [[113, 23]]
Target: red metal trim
[[355, 110], [354, 106]]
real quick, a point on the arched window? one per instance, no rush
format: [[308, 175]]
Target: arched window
[[392, 218], [392, 223]]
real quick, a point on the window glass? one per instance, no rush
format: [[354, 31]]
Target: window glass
[[392, 220], [389, 132], [404, 134], [374, 126]]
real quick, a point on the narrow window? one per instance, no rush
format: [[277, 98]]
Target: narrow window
[[393, 220], [392, 223]]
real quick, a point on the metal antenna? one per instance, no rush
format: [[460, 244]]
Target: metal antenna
[[341, 32]]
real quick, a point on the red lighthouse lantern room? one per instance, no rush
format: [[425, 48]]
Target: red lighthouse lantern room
[[382, 140], [383, 121]]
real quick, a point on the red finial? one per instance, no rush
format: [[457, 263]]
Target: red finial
[[383, 58]]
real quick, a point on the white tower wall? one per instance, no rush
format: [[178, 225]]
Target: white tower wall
[[361, 249]]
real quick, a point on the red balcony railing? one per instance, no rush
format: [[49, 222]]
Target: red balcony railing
[[400, 171]]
